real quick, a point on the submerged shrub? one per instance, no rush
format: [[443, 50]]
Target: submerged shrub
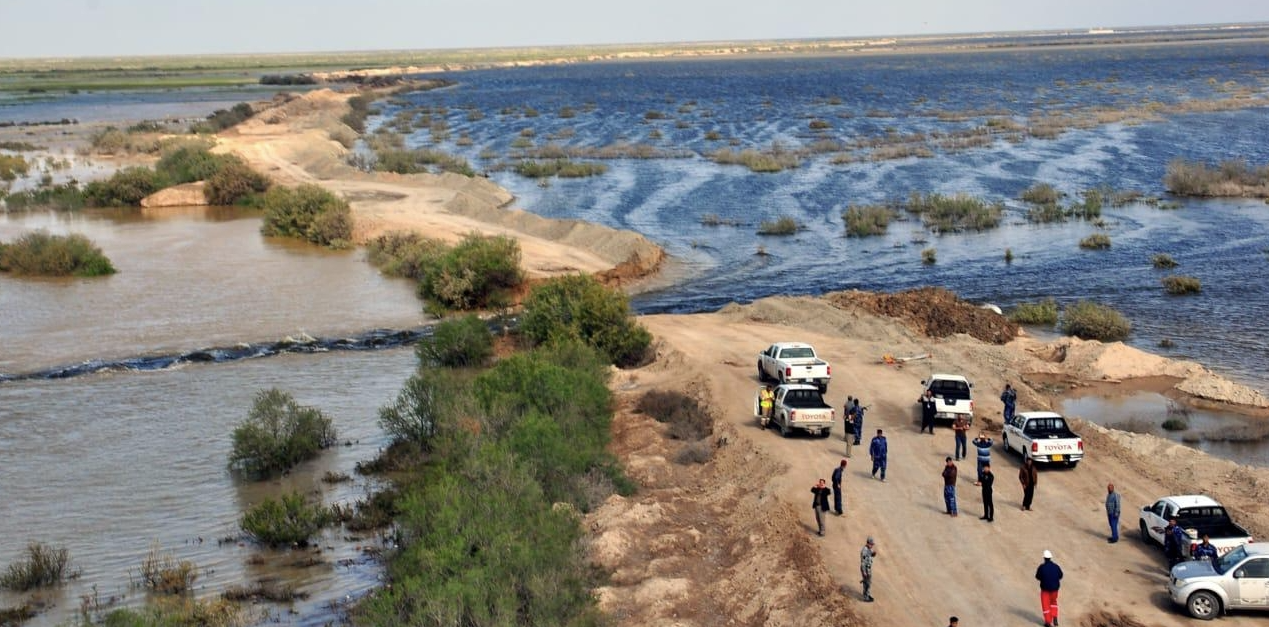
[[955, 213], [1096, 241], [464, 342], [1176, 284], [579, 306], [404, 253], [1094, 321], [420, 409], [1043, 312], [307, 212], [478, 272], [278, 434], [929, 256], [125, 188], [1042, 194], [40, 253], [1163, 261], [288, 521], [62, 197], [867, 220], [162, 572], [784, 225], [232, 182], [43, 566]]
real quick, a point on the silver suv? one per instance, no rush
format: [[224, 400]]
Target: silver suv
[[1238, 580]]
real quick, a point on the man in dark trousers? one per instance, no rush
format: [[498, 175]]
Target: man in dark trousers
[[1010, 398], [837, 487], [848, 432], [877, 451], [1173, 543], [989, 508], [1112, 512], [949, 487], [858, 415], [866, 556], [1028, 477], [819, 503], [1049, 574], [928, 408], [1205, 551]]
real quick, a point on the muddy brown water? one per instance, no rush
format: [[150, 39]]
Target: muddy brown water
[[106, 464]]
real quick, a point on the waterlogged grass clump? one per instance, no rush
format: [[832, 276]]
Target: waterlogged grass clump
[[774, 160], [1163, 261], [287, 521], [163, 573], [1042, 194], [479, 272], [961, 212], [1096, 241], [43, 566], [307, 212], [562, 168], [784, 225], [278, 434], [1093, 321], [1179, 285], [867, 220], [40, 253], [1229, 178], [1043, 312], [929, 256], [419, 160], [12, 166]]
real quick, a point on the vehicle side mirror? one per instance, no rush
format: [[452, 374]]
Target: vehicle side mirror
[[922, 381], [1238, 574]]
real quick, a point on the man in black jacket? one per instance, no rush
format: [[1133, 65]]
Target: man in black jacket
[[819, 503], [989, 508], [928, 408], [1049, 574]]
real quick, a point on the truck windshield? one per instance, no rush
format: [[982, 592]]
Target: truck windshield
[[1045, 426], [1231, 559], [804, 352], [958, 390]]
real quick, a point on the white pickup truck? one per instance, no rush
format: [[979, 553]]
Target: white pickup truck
[[1197, 515], [952, 397], [793, 362], [1043, 436], [1239, 580], [797, 407]]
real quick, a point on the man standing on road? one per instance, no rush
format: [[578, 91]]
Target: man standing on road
[[877, 451], [928, 408], [848, 431], [819, 503], [766, 401], [858, 416], [1010, 398], [1050, 576], [982, 447], [961, 428], [1205, 550], [989, 508], [949, 487], [837, 487], [866, 556], [1112, 512], [1028, 477], [1173, 541]]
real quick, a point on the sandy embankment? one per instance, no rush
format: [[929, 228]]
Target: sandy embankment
[[292, 143]]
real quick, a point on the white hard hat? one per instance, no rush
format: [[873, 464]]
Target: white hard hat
[[1048, 555]]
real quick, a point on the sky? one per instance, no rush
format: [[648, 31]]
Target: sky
[[106, 28]]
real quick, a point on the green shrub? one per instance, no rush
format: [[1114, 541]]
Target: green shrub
[[929, 256], [422, 408], [562, 168], [1046, 213], [867, 220], [1094, 321], [1090, 208], [43, 566], [232, 182], [175, 611], [1176, 423], [687, 418], [288, 521], [125, 188], [12, 166], [109, 141], [1096, 241], [163, 573], [579, 306], [1163, 261], [1182, 285], [1042, 194], [955, 213], [784, 225], [62, 197], [222, 119], [479, 272], [757, 161], [278, 434], [464, 342], [307, 212], [404, 253], [190, 161], [1043, 312], [40, 253]]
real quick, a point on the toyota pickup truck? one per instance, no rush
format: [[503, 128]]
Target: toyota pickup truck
[[797, 406], [1197, 515], [952, 398], [1043, 437], [1238, 580], [793, 362]]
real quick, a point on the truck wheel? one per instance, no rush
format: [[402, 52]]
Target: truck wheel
[[1145, 533], [1004, 441], [762, 375], [785, 431], [825, 433], [1072, 465], [1203, 605]]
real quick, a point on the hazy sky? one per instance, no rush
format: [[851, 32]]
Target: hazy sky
[[43, 28]]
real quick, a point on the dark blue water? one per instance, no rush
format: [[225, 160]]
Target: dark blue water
[[758, 103]]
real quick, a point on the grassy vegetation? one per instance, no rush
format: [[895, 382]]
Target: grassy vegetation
[[1042, 194], [1094, 321], [1229, 178], [945, 214], [233, 182], [40, 253], [421, 160], [929, 256], [580, 307], [125, 188], [307, 212], [222, 119], [687, 418], [562, 168], [1096, 241], [477, 273], [1178, 285], [277, 434], [19, 146], [463, 342], [1043, 312], [43, 566], [286, 521], [163, 573], [12, 167], [784, 225], [1008, 255], [867, 220], [774, 160], [1163, 261], [61, 197]]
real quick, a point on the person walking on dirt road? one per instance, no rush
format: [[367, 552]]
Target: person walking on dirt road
[[961, 428], [928, 408], [858, 416], [1028, 477], [1010, 398], [837, 487], [819, 503], [1112, 512], [1049, 575], [949, 487], [848, 431], [877, 451], [866, 556], [989, 508]]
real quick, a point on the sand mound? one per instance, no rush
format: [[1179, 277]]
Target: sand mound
[[187, 195], [932, 311]]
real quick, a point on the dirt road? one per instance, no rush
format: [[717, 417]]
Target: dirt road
[[931, 566]]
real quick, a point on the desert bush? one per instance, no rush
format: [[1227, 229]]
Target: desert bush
[[287, 521], [404, 253], [190, 161], [955, 213], [696, 452], [1177, 285], [687, 418], [40, 253], [1096, 241], [421, 160], [422, 408], [579, 306], [222, 119], [867, 220], [124, 188], [1163, 261], [277, 434], [1094, 321], [478, 272], [13, 166], [233, 182], [109, 141], [1176, 423], [1042, 312], [61, 197], [1042, 194], [163, 573], [43, 566], [464, 342], [929, 256], [307, 212], [784, 225]]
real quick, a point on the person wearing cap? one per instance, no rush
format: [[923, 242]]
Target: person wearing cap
[[1112, 512], [837, 487], [1049, 574], [949, 486], [866, 556], [819, 503]]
